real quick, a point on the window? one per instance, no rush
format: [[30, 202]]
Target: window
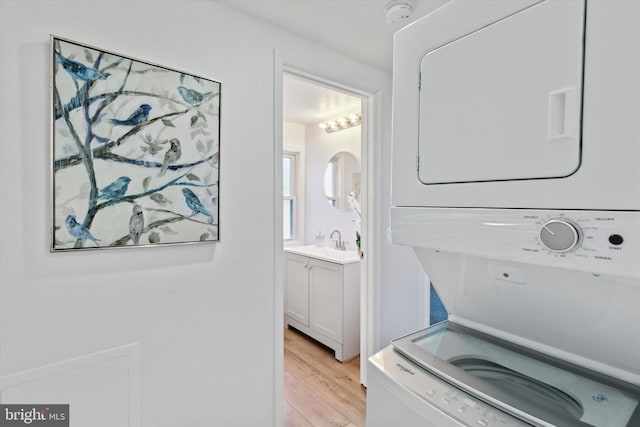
[[290, 207]]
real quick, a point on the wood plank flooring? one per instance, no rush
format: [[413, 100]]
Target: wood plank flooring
[[318, 390]]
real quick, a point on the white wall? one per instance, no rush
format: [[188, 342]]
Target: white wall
[[203, 315], [402, 294], [202, 318], [321, 147], [293, 137]]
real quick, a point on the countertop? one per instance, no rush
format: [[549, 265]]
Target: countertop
[[325, 253]]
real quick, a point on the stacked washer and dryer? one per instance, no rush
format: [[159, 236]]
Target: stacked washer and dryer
[[516, 180]]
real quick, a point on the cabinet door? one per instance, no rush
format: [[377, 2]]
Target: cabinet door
[[296, 288], [325, 286], [504, 102]]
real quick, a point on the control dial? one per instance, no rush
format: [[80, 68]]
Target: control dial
[[560, 235]]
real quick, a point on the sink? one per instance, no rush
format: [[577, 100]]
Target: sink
[[325, 253]]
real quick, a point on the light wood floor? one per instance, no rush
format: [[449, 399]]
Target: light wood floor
[[319, 390]]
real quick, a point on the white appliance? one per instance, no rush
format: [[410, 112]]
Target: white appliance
[[516, 179]]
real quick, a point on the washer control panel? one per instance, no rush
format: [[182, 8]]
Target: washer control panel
[[603, 242], [456, 403], [606, 242]]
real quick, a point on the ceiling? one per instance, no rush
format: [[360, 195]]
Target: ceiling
[[306, 103], [356, 28]]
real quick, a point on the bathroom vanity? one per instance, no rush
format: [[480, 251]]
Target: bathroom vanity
[[322, 297]]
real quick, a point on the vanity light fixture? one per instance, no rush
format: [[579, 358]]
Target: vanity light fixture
[[340, 123]]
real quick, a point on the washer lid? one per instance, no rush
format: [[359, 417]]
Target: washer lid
[[524, 383], [527, 388]]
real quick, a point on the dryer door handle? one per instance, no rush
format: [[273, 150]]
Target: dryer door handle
[[561, 113]]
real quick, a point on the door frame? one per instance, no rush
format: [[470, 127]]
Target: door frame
[[371, 97]]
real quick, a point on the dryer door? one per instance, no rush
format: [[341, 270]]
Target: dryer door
[[503, 102]]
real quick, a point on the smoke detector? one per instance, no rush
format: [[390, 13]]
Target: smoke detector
[[398, 11]]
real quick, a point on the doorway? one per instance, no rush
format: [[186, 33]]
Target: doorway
[[322, 193], [322, 158], [370, 99]]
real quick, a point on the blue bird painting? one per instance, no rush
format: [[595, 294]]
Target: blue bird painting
[[135, 151], [116, 189], [136, 224], [194, 203], [80, 71], [139, 116], [194, 97], [78, 230]]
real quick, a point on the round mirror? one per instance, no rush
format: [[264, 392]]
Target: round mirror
[[342, 180]]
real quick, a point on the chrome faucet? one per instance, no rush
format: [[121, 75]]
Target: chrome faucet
[[339, 242]]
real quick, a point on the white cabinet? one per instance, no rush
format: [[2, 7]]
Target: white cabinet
[[322, 300], [296, 290]]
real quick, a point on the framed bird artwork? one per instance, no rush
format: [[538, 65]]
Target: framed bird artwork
[[135, 151]]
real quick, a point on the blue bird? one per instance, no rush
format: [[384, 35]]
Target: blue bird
[[78, 230], [116, 189], [194, 203], [194, 97], [80, 71], [139, 116]]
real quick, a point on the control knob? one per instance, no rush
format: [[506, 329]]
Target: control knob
[[560, 235]]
